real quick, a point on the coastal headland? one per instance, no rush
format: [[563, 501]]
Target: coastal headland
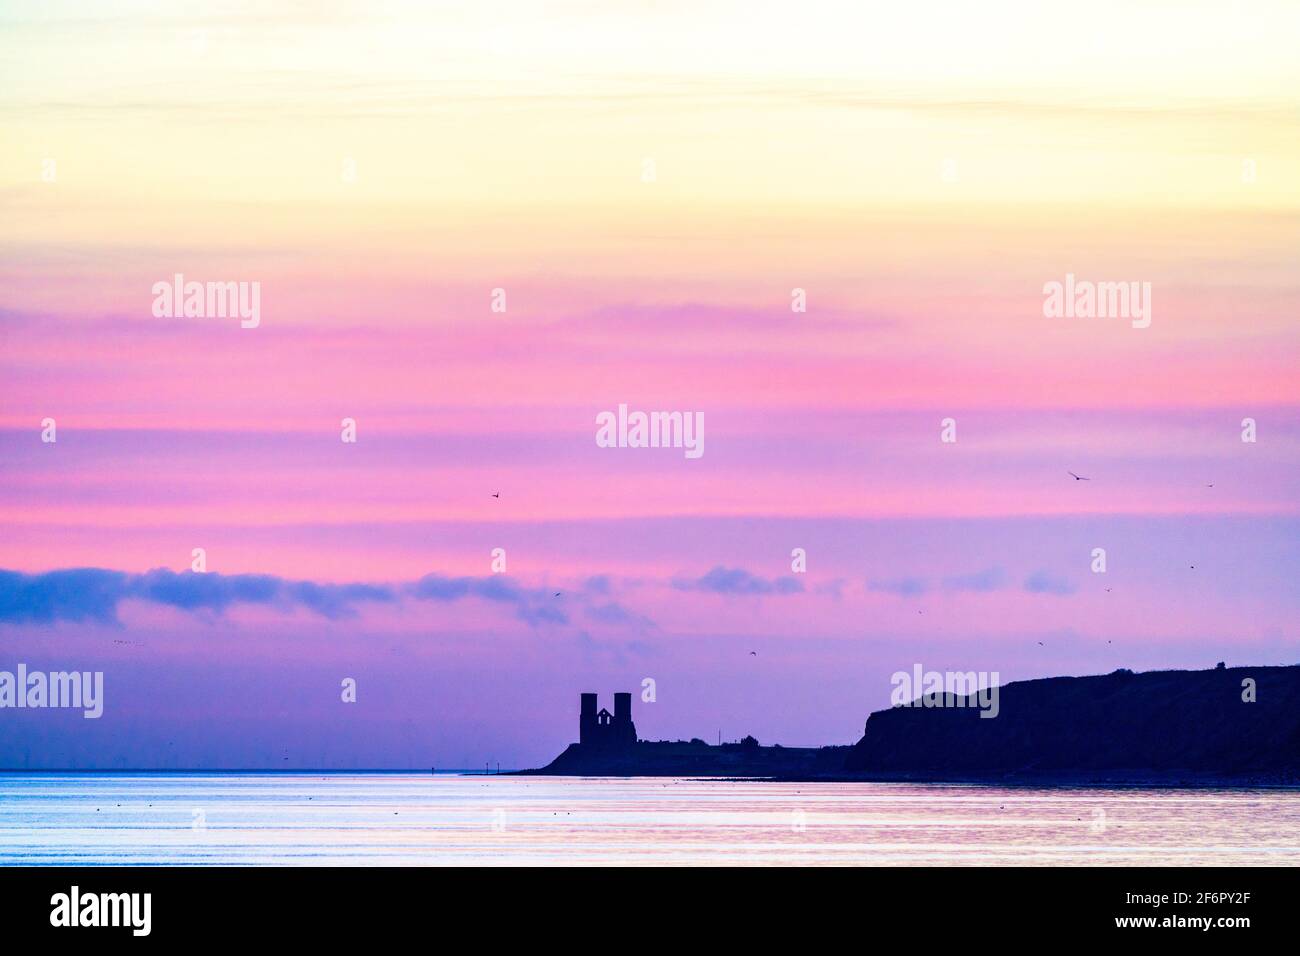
[[1237, 726]]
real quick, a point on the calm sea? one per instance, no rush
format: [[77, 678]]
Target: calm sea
[[323, 819]]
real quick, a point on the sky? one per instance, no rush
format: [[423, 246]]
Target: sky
[[825, 228]]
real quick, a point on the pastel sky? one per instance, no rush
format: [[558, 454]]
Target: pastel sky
[[648, 183]]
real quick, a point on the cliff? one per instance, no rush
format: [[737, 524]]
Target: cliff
[[1155, 727]]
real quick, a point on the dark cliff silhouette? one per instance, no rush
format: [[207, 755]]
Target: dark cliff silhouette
[[1163, 728], [1159, 726]]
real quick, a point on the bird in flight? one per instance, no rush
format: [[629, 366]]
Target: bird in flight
[[496, 494], [1040, 643], [557, 593], [1078, 477], [753, 653]]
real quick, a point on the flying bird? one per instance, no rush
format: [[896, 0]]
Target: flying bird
[[496, 494], [753, 653], [1040, 643], [1077, 477], [557, 593]]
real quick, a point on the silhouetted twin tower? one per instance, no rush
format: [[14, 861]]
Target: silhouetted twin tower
[[601, 729]]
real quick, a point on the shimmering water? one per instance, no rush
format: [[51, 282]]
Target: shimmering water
[[315, 819]]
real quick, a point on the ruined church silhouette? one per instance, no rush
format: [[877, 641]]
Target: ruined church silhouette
[[601, 730]]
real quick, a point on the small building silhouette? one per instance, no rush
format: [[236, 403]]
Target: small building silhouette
[[599, 729]]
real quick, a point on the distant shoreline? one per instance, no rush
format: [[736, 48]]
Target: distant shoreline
[[1135, 781], [1216, 728], [418, 771], [1187, 781]]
